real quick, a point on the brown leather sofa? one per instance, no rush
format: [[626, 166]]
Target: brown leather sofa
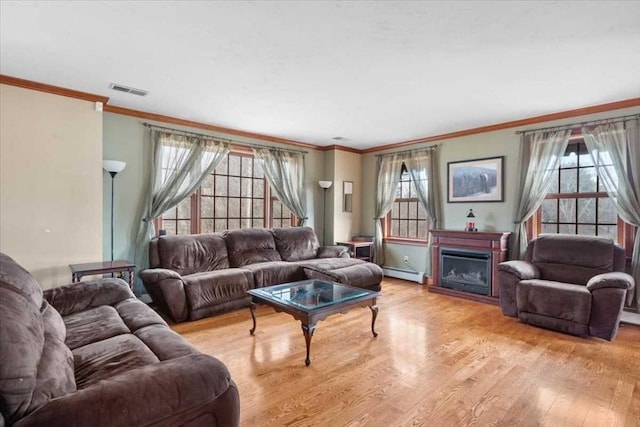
[[91, 354], [195, 276], [570, 283]]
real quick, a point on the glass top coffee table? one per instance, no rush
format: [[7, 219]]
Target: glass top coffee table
[[310, 301]]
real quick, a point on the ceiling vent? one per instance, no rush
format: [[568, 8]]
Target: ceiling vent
[[127, 89]]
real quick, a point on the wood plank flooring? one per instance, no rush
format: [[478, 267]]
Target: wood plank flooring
[[437, 361]]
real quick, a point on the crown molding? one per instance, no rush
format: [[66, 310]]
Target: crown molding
[[193, 124], [56, 90], [341, 148], [617, 105]]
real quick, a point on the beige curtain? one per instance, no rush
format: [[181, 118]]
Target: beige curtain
[[540, 155], [615, 150], [389, 167], [285, 173], [423, 168]]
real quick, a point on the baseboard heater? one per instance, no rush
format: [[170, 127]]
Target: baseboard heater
[[399, 273]]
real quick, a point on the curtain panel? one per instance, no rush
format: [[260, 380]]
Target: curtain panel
[[615, 151], [387, 182], [422, 166], [285, 173], [179, 164], [540, 154]]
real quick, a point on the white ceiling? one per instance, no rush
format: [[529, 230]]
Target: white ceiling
[[374, 72]]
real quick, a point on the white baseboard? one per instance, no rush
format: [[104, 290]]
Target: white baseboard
[[398, 273], [630, 317]]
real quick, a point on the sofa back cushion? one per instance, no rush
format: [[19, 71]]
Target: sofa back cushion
[[36, 364], [191, 253], [572, 258], [296, 243], [250, 246]]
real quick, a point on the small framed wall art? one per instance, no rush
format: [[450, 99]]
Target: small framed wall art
[[478, 180]]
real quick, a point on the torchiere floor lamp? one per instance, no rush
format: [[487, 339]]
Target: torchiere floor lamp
[[113, 167], [325, 185]]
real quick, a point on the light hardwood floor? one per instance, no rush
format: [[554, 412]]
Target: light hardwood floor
[[437, 361]]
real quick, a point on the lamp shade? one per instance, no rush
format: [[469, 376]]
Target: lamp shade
[[325, 184], [113, 166]]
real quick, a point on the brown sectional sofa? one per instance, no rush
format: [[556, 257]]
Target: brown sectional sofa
[[91, 354], [570, 283], [195, 276]]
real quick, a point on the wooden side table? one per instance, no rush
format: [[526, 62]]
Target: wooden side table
[[104, 267], [359, 249]]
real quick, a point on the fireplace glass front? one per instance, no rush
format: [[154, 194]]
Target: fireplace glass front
[[466, 270]]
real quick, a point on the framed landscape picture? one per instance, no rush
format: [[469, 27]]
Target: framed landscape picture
[[478, 180]]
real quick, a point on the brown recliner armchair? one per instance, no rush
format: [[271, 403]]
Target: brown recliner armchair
[[570, 283]]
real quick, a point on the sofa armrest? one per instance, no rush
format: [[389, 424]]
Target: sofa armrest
[[523, 270], [167, 290], [170, 392], [336, 251], [614, 279], [81, 296]]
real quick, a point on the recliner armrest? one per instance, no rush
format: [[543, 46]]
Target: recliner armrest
[[81, 296], [523, 270], [614, 279], [157, 394], [166, 288], [336, 251]]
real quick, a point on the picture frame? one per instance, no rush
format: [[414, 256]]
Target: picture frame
[[476, 181]]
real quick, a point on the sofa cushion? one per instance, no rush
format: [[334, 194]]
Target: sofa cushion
[[193, 253], [275, 273], [250, 246], [296, 243], [213, 287], [554, 299], [95, 324], [107, 358]]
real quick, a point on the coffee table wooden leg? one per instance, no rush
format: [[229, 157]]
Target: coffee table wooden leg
[[307, 330], [252, 307], [374, 314]]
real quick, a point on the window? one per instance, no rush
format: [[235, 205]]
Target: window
[[408, 219], [577, 202], [235, 195]]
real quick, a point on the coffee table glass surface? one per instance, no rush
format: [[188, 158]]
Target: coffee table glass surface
[[310, 294]]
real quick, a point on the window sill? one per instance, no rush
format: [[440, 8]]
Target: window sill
[[405, 241]]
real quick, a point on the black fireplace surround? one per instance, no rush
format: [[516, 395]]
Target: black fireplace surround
[[466, 270]]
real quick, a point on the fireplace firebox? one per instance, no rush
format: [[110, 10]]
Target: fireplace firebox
[[465, 270]]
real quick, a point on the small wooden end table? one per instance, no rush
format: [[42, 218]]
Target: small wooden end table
[[104, 267], [359, 249]]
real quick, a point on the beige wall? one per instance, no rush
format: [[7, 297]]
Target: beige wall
[[347, 167], [50, 182]]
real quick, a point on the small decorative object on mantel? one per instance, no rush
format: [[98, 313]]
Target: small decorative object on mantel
[[471, 225]]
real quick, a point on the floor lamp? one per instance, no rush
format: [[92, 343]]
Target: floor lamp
[[113, 167], [325, 185]]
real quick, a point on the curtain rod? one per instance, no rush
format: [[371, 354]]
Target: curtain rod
[[590, 122], [229, 141], [415, 150]]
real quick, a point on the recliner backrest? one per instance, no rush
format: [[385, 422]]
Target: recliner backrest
[[188, 254], [36, 365], [572, 258]]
